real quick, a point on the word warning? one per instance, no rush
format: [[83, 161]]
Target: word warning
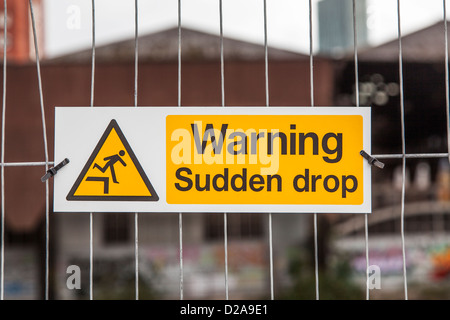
[[251, 159]]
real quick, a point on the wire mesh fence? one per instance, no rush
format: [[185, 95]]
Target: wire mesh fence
[[140, 231]]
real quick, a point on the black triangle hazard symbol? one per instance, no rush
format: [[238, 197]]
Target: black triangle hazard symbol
[[112, 172]]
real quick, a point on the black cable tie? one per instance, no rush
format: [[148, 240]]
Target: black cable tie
[[372, 161], [52, 171]]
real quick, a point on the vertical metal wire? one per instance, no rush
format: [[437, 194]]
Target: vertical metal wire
[[222, 87], [2, 268], [447, 87], [93, 54], [266, 71], [44, 130], [91, 256], [272, 296], [136, 53], [136, 215], [225, 239], [91, 215], [366, 222], [180, 215], [402, 111], [311, 76], [136, 254], [179, 53]]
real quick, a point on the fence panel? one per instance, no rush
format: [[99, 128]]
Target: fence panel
[[140, 221]]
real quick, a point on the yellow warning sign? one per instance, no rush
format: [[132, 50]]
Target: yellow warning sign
[[265, 159], [113, 173]]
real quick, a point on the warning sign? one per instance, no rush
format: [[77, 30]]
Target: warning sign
[[264, 159], [198, 159], [112, 160]]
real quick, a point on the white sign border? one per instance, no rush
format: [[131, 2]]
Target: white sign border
[[78, 130]]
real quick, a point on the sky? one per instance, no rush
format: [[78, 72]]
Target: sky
[[68, 23]]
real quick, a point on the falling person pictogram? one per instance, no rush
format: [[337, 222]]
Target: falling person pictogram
[[110, 162]]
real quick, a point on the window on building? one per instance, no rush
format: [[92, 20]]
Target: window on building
[[239, 226]]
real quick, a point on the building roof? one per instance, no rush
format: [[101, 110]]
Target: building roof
[[163, 46], [425, 45]]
